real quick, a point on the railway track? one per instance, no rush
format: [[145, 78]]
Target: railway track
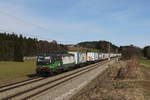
[[31, 88], [10, 84], [19, 84]]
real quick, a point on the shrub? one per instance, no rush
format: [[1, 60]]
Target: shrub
[[146, 52]]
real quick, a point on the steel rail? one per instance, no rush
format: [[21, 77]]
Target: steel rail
[[80, 72]]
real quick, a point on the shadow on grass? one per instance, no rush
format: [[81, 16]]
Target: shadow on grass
[[32, 75]]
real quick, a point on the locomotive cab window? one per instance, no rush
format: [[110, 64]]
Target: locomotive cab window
[[43, 60]]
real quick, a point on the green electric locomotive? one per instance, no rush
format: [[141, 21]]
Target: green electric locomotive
[[54, 63]]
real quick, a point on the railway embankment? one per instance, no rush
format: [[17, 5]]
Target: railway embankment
[[125, 80]]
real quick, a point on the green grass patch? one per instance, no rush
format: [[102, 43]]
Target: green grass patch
[[12, 70], [143, 61], [146, 82]]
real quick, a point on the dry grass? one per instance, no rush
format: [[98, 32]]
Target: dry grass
[[130, 70], [122, 81]]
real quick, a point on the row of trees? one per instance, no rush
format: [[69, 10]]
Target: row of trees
[[130, 51], [14, 47]]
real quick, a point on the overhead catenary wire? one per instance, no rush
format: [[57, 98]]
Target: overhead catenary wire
[[23, 21], [32, 24]]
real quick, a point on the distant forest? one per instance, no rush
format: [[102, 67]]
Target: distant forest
[[14, 47]]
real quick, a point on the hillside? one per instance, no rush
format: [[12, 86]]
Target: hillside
[[103, 46]]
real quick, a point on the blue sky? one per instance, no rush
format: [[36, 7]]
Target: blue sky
[[122, 22]]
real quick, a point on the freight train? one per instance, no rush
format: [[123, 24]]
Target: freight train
[[48, 64]]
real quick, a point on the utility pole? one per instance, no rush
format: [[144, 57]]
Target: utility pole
[[108, 51]]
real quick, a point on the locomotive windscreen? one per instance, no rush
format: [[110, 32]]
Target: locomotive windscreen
[[43, 60]]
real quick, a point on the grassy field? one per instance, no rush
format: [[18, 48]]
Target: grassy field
[[143, 61], [16, 70]]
